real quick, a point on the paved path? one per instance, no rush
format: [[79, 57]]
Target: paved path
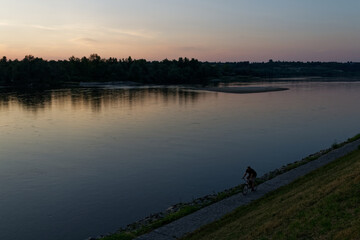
[[217, 210]]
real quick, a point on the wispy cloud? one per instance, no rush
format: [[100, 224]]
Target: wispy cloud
[[41, 27], [140, 33], [14, 24], [87, 29], [85, 41], [4, 23]]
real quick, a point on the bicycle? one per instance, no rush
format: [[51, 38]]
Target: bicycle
[[247, 187]]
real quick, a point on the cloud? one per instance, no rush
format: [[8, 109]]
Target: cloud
[[5, 23], [43, 27], [12, 24], [86, 29], [85, 41], [133, 33]]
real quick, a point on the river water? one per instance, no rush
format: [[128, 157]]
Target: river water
[[76, 163]]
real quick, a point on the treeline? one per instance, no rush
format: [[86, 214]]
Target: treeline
[[279, 69], [37, 72]]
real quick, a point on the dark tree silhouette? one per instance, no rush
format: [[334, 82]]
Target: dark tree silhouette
[[38, 73]]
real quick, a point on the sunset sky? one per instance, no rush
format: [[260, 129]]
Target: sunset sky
[[209, 30]]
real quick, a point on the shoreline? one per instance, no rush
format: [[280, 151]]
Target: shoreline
[[188, 224], [179, 211]]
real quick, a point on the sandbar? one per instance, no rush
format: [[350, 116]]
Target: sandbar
[[241, 89]]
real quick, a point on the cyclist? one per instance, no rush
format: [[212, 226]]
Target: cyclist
[[251, 176]]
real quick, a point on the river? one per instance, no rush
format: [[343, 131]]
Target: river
[[76, 163]]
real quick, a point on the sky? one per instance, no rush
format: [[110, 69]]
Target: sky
[[208, 30]]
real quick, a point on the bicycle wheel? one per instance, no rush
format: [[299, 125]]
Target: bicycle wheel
[[245, 189]]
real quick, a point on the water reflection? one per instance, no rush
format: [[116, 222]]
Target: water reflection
[[76, 163], [96, 99]]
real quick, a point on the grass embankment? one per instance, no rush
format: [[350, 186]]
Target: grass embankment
[[324, 204]]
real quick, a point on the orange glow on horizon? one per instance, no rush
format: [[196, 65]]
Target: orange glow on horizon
[[215, 31]]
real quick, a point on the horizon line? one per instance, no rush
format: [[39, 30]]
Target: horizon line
[[173, 59]]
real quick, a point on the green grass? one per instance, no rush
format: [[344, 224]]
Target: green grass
[[324, 204]]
